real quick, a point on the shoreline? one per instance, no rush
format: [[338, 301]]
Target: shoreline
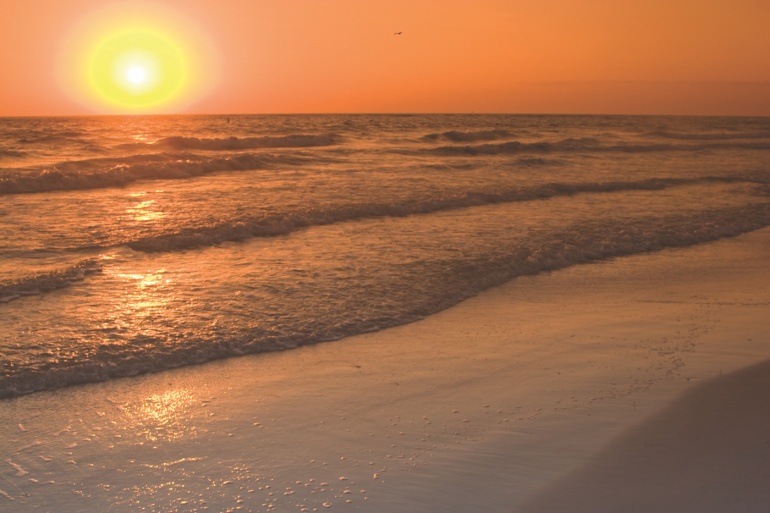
[[487, 405]]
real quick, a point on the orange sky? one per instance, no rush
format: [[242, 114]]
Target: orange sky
[[528, 56]]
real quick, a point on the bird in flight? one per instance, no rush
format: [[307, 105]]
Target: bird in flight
[[396, 33]]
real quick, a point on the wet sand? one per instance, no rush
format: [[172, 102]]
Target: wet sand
[[617, 385]]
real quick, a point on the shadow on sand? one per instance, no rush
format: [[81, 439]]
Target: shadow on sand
[[707, 452]]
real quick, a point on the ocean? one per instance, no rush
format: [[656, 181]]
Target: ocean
[[131, 245]]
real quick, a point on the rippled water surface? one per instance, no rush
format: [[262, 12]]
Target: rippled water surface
[[130, 245]]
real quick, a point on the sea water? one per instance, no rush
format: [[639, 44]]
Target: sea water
[[137, 244]]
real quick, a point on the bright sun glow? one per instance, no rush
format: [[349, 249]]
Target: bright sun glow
[[136, 75], [137, 67], [138, 58]]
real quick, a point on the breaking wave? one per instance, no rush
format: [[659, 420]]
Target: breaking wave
[[242, 228], [457, 280], [45, 282]]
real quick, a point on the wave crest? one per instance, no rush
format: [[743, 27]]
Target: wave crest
[[240, 143], [586, 144], [242, 228], [102, 173], [44, 282], [707, 136], [7, 152], [478, 135]]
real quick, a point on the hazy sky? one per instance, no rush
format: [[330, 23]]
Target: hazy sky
[[528, 56]]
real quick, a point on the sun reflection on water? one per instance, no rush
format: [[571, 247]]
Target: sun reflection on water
[[144, 209], [161, 416], [150, 280], [147, 298]]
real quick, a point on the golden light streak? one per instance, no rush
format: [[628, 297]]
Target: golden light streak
[[161, 416]]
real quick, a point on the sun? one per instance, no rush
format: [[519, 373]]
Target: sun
[[136, 75], [137, 58], [137, 67]]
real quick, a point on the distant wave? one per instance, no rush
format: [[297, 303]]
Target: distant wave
[[707, 136], [11, 153], [585, 145], [479, 135], [116, 172], [238, 143], [458, 279], [38, 137], [538, 162], [44, 282], [512, 147], [242, 228]]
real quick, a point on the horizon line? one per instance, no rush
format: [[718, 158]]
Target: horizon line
[[404, 113]]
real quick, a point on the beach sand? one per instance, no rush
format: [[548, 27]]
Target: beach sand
[[709, 451], [635, 384]]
